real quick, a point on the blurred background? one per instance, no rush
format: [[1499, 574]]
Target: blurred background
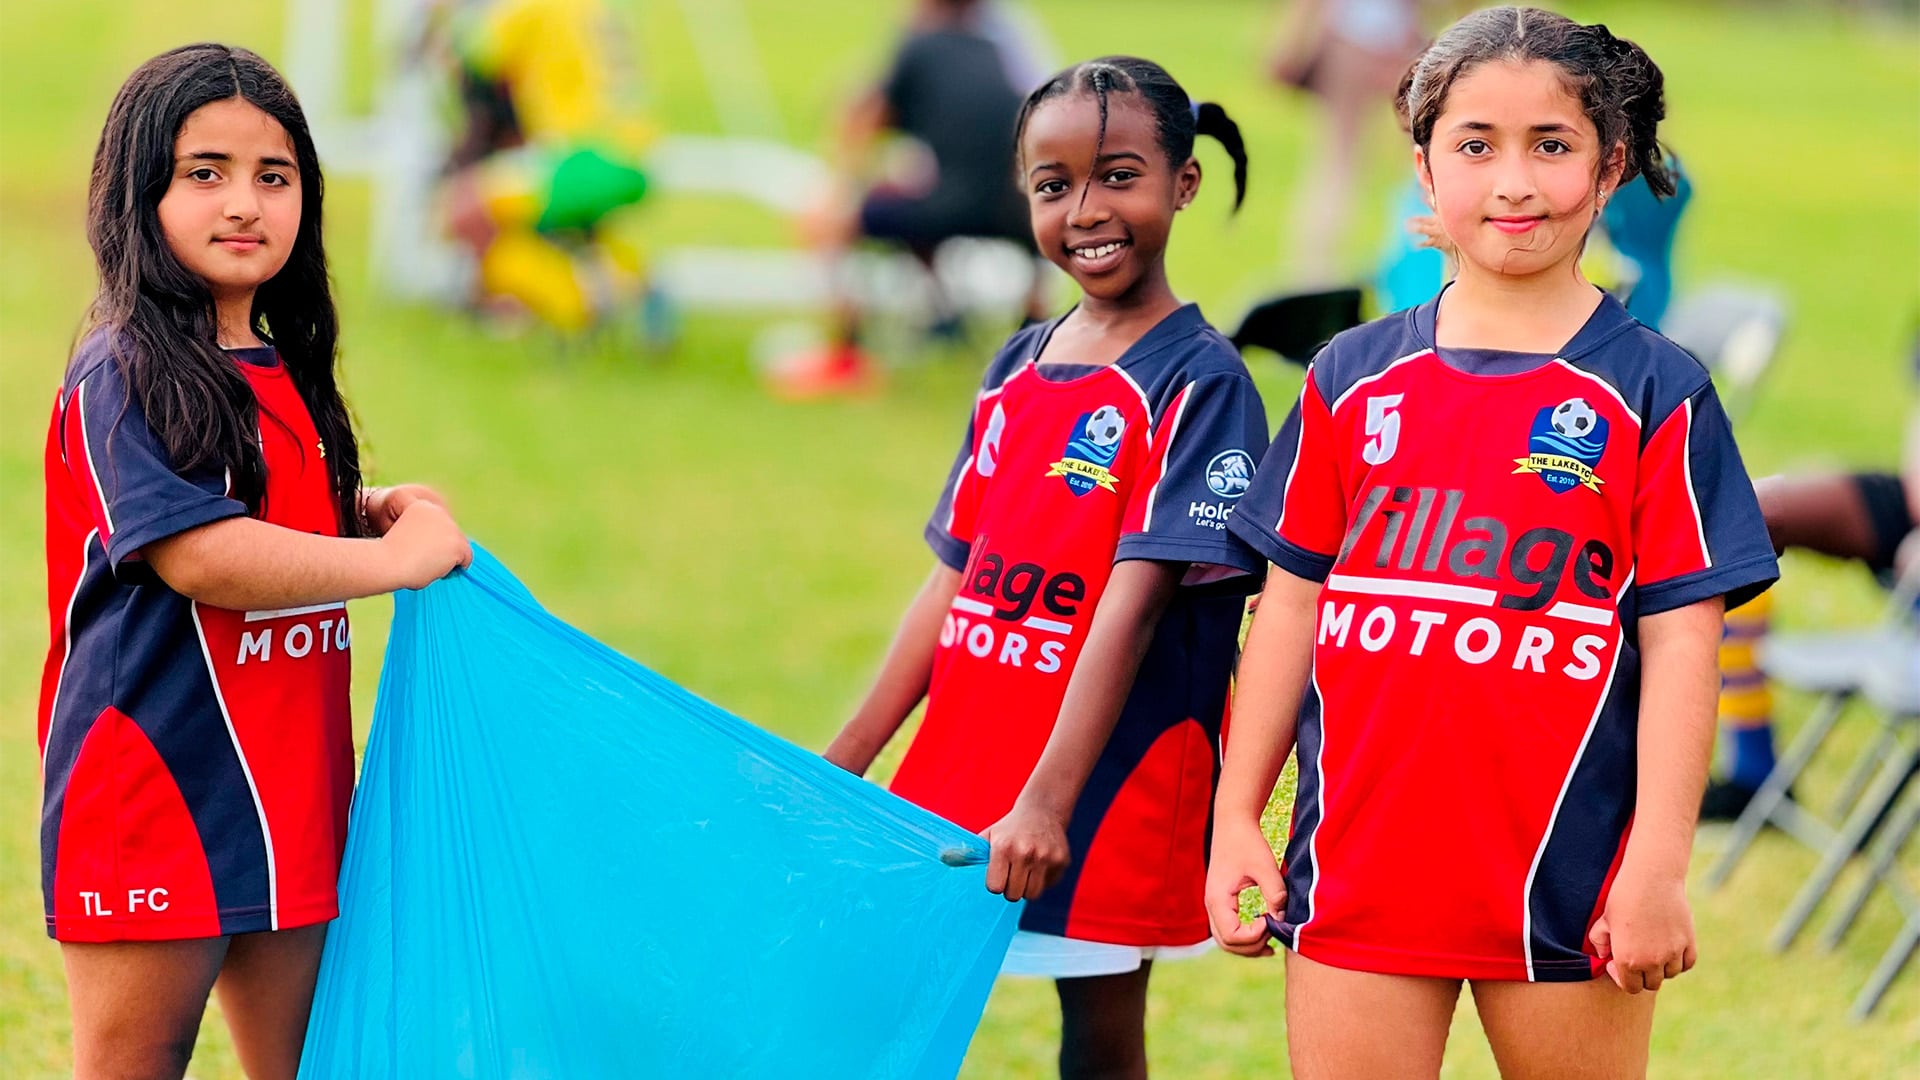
[[610, 277]]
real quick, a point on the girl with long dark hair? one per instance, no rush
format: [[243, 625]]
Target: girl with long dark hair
[[206, 524]]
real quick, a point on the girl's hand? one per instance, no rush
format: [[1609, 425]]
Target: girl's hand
[[1426, 230], [1242, 860], [1029, 852], [1646, 932], [382, 506], [424, 545]]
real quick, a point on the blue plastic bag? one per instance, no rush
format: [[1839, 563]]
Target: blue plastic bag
[[562, 865]]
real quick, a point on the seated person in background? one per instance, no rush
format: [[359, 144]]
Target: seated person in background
[[551, 148], [955, 86], [1867, 517]]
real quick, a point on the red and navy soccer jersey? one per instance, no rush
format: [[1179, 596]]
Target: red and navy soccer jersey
[[197, 762], [1488, 545], [1055, 482]]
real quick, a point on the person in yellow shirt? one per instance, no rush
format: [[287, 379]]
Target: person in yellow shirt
[[553, 147]]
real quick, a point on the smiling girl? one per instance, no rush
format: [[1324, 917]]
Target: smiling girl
[[1074, 643], [205, 524], [1503, 524]]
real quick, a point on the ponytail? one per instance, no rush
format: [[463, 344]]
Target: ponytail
[[1177, 116], [1637, 86], [1212, 120]]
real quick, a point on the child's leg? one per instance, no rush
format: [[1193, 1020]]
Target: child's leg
[[266, 991], [1566, 1031], [1746, 710], [137, 1005], [1356, 1025], [1103, 1026]]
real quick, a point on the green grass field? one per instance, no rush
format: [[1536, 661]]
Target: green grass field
[[759, 553]]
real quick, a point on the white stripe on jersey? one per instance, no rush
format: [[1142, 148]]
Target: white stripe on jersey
[[1606, 692], [1320, 798], [966, 468], [1419, 590], [972, 607], [1376, 376], [953, 497], [1173, 432], [66, 655], [284, 613], [1693, 500], [1293, 467], [1606, 386], [86, 445], [266, 835], [1145, 405], [1586, 613]]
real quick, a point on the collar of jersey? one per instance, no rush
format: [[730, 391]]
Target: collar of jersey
[[1175, 327], [262, 357], [1609, 320]]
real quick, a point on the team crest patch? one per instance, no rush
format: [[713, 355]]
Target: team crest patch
[[1091, 450], [1565, 444]]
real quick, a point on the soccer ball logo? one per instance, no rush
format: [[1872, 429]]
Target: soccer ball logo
[[1105, 426], [1574, 418]]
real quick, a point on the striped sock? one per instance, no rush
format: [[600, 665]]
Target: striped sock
[[1746, 701]]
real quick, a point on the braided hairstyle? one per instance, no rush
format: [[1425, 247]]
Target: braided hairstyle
[[1177, 117], [1617, 84]]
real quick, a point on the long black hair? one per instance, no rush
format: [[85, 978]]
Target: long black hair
[[1617, 84], [159, 316], [1177, 117]]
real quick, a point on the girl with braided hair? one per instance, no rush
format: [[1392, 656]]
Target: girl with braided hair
[[1075, 639]]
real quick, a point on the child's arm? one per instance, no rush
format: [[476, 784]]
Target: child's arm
[[243, 564], [1266, 710], [1029, 845], [903, 677], [1646, 931]]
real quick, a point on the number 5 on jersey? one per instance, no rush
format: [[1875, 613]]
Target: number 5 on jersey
[[1383, 427]]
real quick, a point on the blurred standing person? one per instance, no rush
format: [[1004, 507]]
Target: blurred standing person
[[954, 85], [1350, 54]]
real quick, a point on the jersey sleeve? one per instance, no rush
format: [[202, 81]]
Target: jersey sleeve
[[124, 474], [1697, 529], [1200, 461], [1295, 514]]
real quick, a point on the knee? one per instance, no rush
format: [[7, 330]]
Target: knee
[[1774, 494], [133, 1055], [1095, 1058]]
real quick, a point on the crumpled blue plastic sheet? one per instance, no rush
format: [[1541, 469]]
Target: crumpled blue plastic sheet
[[562, 865]]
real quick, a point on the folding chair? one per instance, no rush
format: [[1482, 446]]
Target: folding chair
[[1836, 667], [1907, 938], [1735, 331], [1895, 691], [1295, 325]]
